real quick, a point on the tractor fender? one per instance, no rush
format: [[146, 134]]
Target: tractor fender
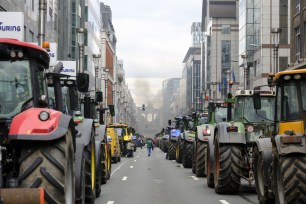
[[264, 146], [85, 131], [210, 132], [101, 133], [284, 149], [231, 137], [189, 136], [211, 147], [28, 126]]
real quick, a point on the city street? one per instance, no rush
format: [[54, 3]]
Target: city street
[[155, 180]]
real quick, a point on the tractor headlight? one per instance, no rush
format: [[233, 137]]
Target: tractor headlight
[[297, 76], [287, 77], [44, 115], [250, 128]]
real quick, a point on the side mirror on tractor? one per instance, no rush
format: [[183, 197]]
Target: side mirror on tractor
[[256, 101], [82, 82], [99, 96]]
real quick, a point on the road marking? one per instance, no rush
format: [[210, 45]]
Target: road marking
[[124, 178], [131, 167], [135, 160], [159, 181], [137, 156], [194, 178], [110, 202], [224, 202], [118, 168]]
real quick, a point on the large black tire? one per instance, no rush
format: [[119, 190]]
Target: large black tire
[[187, 156], [98, 168], [105, 164], [80, 174], [289, 178], [171, 150], [90, 170], [200, 158], [227, 168], [194, 155], [179, 150], [166, 146], [50, 165], [210, 175], [109, 163], [260, 179]]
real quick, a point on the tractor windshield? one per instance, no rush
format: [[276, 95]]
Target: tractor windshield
[[292, 99], [220, 114], [244, 110], [15, 87]]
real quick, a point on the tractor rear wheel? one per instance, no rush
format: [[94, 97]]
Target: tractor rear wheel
[[227, 168], [90, 171], [200, 159], [171, 150], [179, 150], [194, 155], [210, 175], [260, 179], [289, 178], [187, 156], [49, 165], [98, 168]]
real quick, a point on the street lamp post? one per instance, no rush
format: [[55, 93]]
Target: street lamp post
[[96, 58], [81, 40], [245, 69], [275, 35]]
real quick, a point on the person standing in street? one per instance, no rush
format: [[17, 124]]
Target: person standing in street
[[149, 146]]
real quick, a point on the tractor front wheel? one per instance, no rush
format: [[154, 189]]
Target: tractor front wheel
[[289, 174], [49, 165]]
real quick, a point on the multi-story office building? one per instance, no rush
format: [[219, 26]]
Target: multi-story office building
[[169, 87], [192, 68], [220, 26], [298, 34], [109, 66], [197, 34], [260, 22], [69, 19]]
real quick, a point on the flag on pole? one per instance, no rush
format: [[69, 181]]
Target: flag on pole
[[233, 77]]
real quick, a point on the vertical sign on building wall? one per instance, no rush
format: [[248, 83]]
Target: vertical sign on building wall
[[11, 25]]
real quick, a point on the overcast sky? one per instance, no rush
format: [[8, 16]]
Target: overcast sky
[[153, 38]]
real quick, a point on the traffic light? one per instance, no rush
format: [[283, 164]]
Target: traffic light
[[143, 107]]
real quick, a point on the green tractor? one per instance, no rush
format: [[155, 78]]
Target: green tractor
[[234, 140], [217, 111]]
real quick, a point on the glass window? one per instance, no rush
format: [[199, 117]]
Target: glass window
[[290, 106], [226, 29], [303, 94], [297, 43], [15, 86], [298, 6]]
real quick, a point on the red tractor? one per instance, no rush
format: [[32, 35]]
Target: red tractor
[[37, 143]]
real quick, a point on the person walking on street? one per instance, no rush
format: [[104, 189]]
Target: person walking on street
[[149, 146]]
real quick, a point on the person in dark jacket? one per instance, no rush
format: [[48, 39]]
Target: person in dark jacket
[[149, 146]]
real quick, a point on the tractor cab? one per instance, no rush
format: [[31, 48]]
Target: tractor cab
[[22, 77]]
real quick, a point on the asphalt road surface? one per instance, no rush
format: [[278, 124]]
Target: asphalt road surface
[[155, 180]]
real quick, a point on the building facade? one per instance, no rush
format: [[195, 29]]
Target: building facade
[[220, 21], [298, 34], [257, 21]]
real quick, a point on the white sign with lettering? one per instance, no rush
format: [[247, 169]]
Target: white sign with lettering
[[12, 25]]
